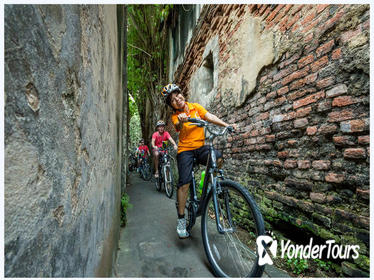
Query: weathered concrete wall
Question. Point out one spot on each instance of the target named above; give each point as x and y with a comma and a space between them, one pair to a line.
295, 78
183, 20
63, 122
122, 23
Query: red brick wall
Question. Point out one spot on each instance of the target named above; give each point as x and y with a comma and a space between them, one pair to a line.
303, 146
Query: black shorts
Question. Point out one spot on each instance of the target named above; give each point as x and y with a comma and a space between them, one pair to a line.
185, 162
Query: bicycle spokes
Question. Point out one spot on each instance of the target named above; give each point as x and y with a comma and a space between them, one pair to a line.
226, 210
231, 250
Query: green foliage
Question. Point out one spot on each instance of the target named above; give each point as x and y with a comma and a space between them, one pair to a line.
125, 205
297, 265
146, 59
125, 202
324, 265
134, 131
147, 53
165, 12
133, 108
252, 234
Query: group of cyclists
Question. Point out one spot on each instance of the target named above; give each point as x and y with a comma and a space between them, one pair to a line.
158, 138
190, 145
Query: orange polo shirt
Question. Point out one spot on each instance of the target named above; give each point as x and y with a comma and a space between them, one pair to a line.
191, 137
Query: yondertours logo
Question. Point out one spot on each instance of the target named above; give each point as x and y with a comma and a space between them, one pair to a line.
264, 241
309, 251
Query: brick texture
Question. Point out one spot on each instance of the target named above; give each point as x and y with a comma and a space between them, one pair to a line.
304, 130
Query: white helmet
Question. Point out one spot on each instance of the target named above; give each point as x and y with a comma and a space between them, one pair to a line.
160, 123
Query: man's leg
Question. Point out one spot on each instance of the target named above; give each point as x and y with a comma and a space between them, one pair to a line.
155, 159
182, 198
185, 162
181, 221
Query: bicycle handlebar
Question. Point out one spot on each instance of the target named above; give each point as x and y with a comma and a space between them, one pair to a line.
202, 123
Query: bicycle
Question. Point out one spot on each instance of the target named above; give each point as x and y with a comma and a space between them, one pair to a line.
145, 171
165, 178
132, 162
231, 220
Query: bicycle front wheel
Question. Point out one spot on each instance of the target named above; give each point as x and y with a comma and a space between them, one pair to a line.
169, 182
232, 253
147, 174
158, 184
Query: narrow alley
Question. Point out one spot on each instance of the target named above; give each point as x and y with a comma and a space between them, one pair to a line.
89, 89
149, 245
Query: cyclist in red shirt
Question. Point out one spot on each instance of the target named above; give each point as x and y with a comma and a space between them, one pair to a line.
142, 151
157, 138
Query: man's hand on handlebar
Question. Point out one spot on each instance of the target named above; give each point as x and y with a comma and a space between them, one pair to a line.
199, 122
183, 117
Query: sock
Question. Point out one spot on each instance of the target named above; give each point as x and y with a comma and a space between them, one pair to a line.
180, 216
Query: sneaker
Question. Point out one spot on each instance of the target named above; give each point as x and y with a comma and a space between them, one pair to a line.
181, 228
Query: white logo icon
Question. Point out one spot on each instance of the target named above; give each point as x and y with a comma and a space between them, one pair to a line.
262, 241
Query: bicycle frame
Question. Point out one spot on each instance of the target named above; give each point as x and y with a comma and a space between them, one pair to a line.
209, 176
165, 178
164, 159
218, 189
143, 162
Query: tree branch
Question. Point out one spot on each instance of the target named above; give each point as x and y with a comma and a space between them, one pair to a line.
140, 32
138, 49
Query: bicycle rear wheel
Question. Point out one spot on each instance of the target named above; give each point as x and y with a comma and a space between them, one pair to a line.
169, 181
233, 254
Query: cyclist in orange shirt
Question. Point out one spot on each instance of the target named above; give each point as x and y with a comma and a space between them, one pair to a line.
190, 146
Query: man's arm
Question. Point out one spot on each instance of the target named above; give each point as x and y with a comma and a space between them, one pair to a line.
178, 126
214, 119
153, 143
173, 142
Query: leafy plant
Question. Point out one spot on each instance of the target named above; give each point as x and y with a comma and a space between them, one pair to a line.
324, 265
297, 265
252, 234
125, 205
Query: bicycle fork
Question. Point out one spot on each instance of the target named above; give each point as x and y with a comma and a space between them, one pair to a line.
221, 229
167, 178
